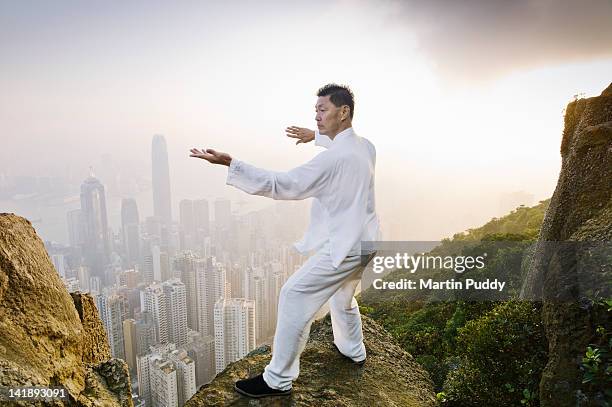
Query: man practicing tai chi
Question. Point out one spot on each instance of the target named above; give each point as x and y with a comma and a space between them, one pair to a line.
341, 182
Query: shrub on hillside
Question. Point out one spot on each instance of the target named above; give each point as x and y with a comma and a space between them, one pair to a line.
500, 357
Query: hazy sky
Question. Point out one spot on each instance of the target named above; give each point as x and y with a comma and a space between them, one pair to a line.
463, 99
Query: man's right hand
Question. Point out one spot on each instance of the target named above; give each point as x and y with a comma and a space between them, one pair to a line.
302, 134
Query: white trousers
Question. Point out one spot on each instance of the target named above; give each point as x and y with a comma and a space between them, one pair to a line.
301, 297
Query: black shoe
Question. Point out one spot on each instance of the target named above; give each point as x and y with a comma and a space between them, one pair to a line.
360, 363
257, 387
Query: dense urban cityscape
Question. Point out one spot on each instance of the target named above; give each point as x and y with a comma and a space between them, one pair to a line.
179, 300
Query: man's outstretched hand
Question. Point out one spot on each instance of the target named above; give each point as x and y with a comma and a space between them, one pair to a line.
302, 134
212, 156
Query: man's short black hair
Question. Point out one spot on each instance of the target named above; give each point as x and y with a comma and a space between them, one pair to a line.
339, 95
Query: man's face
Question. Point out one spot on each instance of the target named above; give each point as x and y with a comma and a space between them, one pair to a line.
327, 116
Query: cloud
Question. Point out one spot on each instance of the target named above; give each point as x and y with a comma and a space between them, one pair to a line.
474, 40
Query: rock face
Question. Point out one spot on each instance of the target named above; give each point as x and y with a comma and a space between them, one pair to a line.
578, 219
47, 336
390, 376
93, 341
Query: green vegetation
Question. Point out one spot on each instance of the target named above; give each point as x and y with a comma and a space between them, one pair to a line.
597, 361
476, 352
499, 357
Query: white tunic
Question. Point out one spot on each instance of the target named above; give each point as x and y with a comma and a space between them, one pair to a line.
341, 182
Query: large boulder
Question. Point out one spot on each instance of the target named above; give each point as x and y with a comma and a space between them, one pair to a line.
47, 336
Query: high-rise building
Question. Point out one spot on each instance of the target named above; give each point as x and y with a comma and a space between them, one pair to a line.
148, 273
144, 333
185, 375
275, 283
160, 262
210, 286
129, 278
166, 376
130, 343
167, 304
157, 381
175, 293
187, 225
201, 348
113, 309
201, 217
96, 241
184, 262
130, 227
161, 180
234, 330
235, 280
153, 300
259, 287
76, 228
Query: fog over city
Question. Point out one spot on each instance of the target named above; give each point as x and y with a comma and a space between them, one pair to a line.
457, 124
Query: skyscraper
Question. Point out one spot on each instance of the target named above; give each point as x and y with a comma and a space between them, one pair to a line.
201, 348
161, 180
75, 228
234, 330
113, 309
175, 293
210, 286
144, 333
187, 222
166, 376
130, 342
185, 263
185, 375
153, 300
259, 295
201, 217
96, 239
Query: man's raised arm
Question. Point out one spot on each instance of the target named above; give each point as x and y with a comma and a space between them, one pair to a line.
305, 181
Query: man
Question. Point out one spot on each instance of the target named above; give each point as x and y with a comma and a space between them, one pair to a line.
341, 182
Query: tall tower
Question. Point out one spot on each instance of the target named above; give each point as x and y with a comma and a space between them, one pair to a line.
96, 242
161, 180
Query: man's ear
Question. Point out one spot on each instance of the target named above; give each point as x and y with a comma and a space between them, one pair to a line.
346, 111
